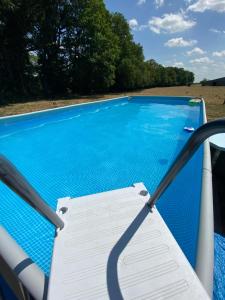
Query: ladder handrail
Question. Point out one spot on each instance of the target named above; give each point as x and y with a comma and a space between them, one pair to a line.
16, 182
197, 138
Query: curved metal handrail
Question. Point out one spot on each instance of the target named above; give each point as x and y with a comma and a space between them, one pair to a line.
197, 138
16, 182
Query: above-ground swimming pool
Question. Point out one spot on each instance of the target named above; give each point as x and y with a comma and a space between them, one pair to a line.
97, 147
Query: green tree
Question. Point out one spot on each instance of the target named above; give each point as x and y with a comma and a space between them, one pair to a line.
204, 81
16, 74
95, 48
53, 47
130, 62
46, 40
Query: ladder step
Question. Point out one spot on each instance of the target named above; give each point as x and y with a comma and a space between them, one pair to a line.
113, 247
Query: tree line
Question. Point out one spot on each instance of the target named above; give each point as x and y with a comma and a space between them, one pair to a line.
60, 47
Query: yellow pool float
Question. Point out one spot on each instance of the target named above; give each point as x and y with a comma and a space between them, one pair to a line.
194, 101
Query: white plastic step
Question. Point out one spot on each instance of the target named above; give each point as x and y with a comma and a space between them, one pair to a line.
114, 247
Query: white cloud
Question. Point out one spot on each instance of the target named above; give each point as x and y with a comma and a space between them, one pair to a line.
196, 50
217, 30
178, 64
214, 30
209, 71
133, 23
142, 27
203, 5
202, 60
170, 23
219, 53
180, 42
140, 2
159, 3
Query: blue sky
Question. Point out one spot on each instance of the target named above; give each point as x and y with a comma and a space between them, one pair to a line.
183, 33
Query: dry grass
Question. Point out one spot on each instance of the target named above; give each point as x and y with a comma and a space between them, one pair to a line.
214, 98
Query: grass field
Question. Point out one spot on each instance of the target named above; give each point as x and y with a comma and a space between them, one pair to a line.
214, 98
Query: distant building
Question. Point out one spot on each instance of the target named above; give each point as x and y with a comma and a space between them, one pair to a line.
215, 82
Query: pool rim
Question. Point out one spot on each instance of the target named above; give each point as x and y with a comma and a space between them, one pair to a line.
205, 250
58, 108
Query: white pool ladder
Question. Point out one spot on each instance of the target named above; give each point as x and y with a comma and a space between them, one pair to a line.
114, 247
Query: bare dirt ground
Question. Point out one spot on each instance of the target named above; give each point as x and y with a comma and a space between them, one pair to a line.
214, 98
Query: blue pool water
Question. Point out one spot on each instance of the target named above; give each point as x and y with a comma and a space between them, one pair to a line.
219, 267
99, 147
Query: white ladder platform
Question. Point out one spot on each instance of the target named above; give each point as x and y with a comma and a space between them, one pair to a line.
113, 247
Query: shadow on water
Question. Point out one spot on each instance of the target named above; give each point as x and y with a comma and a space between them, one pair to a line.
112, 272
163, 161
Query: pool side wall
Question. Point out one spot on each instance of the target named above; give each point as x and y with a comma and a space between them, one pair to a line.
205, 254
